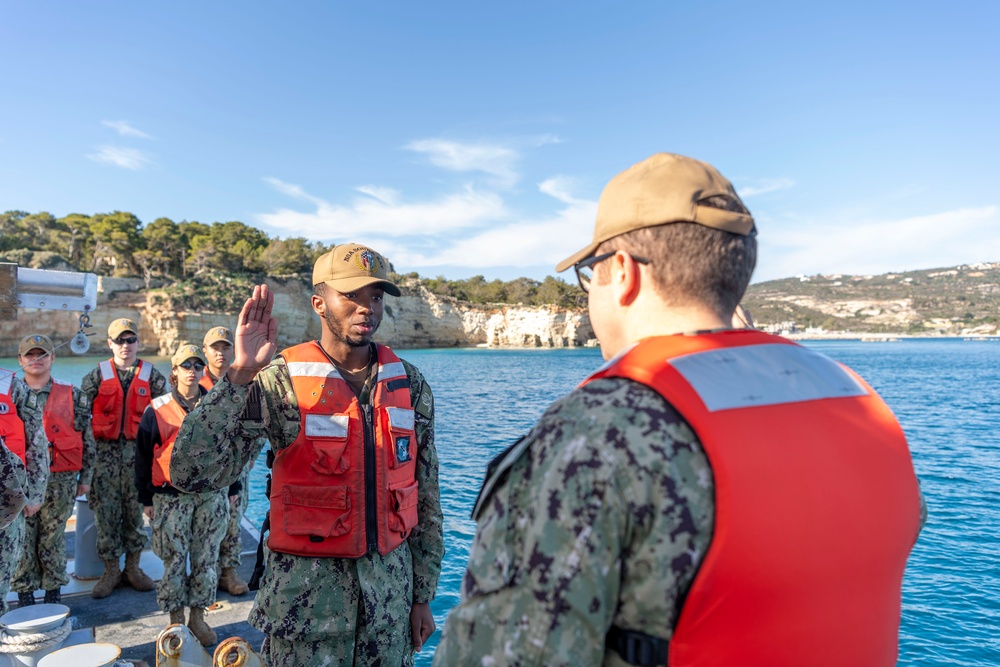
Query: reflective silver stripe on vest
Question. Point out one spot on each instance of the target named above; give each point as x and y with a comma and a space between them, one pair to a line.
160, 401
312, 369
65, 384
6, 379
390, 371
754, 375
326, 426
401, 418
145, 370
107, 372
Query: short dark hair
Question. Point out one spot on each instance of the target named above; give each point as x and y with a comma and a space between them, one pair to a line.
691, 263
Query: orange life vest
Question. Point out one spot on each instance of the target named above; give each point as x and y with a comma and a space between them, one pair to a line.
206, 381
347, 484
113, 411
11, 426
65, 442
169, 416
816, 502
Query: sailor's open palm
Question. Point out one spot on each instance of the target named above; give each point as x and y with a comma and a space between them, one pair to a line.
256, 332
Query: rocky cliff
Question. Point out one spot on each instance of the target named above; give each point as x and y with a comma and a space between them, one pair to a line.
417, 319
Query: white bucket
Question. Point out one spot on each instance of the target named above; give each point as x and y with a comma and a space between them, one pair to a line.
82, 655
32, 620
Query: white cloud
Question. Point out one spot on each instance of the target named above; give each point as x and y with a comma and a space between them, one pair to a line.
558, 187
379, 218
125, 129
118, 156
878, 246
384, 195
765, 186
493, 159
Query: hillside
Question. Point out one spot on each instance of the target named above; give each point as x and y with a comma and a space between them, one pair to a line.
962, 300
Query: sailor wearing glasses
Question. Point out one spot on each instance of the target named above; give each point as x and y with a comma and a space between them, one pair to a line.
119, 390
184, 524
710, 495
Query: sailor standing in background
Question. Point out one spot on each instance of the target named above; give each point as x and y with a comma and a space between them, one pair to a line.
26, 457
119, 390
66, 421
218, 350
185, 525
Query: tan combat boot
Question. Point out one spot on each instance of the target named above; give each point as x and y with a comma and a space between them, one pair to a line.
135, 577
109, 580
231, 583
177, 616
196, 623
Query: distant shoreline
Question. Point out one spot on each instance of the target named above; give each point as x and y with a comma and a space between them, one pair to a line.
884, 337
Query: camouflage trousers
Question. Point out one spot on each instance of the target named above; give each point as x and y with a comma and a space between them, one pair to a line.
115, 501
188, 525
331, 653
11, 541
43, 562
336, 611
232, 545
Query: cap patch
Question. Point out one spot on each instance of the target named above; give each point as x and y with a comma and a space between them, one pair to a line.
366, 260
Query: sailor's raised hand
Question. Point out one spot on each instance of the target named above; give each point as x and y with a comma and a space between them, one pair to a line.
256, 336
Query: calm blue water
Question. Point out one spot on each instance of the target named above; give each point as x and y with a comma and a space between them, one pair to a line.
946, 394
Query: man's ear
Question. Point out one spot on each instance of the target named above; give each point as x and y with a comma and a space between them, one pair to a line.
625, 278
318, 305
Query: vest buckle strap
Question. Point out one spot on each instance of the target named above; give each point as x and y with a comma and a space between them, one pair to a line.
637, 648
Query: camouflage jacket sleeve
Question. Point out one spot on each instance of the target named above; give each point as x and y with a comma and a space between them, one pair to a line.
12, 497
90, 384
36, 444
599, 517
157, 384
427, 539
81, 421
220, 436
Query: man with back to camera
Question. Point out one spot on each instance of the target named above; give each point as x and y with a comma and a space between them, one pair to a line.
709, 496
119, 390
218, 350
26, 468
66, 421
356, 541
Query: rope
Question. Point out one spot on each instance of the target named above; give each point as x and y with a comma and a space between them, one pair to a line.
36, 642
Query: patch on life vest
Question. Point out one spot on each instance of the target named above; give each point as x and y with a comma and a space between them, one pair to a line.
4, 408
142, 391
403, 449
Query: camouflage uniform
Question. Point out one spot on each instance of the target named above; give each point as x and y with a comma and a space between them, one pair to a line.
35, 476
11, 486
599, 516
188, 524
184, 525
117, 512
319, 611
43, 564
232, 543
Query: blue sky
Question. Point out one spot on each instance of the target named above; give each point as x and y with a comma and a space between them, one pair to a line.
470, 138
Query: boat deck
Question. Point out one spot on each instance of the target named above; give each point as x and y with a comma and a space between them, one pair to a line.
132, 620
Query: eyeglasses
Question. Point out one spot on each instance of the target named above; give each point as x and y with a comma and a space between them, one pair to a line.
126, 340
585, 268
188, 365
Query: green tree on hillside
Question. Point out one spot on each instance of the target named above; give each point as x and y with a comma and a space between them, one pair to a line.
116, 238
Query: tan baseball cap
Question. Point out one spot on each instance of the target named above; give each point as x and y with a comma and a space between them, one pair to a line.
659, 190
184, 352
215, 334
352, 266
118, 327
34, 342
